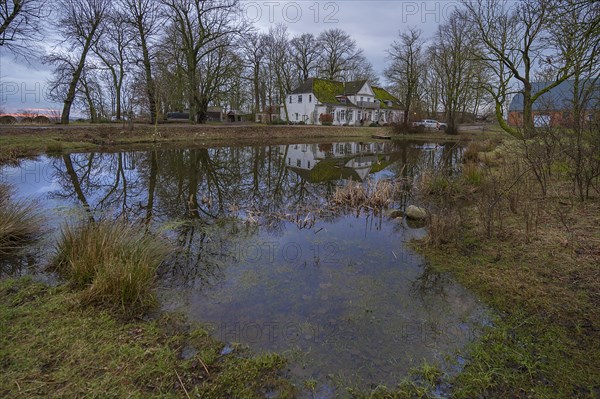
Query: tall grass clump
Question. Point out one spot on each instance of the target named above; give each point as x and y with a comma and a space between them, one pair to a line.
112, 262
371, 194
19, 223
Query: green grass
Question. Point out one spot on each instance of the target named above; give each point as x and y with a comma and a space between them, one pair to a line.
111, 262
19, 223
50, 346
545, 340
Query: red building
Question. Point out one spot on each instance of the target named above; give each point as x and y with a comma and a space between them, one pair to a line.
555, 108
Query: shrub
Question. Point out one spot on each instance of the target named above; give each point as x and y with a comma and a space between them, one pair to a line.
7, 120
326, 119
41, 119
443, 227
19, 223
302, 123
113, 263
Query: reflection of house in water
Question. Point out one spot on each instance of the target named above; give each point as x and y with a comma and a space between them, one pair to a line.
323, 162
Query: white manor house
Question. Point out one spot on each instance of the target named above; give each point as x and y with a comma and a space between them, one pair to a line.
350, 103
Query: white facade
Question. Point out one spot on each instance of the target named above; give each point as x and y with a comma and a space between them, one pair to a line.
301, 108
360, 157
362, 108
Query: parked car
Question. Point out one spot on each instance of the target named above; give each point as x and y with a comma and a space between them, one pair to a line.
430, 124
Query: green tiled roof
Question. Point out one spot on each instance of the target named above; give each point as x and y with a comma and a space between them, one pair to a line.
326, 91
383, 95
352, 88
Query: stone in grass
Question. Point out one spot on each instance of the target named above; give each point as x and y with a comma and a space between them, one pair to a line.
416, 213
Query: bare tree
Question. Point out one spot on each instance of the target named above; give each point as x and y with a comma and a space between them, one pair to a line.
574, 40
112, 51
80, 26
338, 54
362, 70
145, 18
203, 27
279, 60
20, 24
305, 55
453, 59
406, 68
252, 53
513, 37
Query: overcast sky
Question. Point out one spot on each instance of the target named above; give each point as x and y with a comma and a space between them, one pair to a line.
373, 24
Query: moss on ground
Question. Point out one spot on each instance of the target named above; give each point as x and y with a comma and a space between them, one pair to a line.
50, 346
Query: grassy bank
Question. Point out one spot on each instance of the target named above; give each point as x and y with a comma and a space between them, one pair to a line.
27, 140
50, 346
20, 141
535, 260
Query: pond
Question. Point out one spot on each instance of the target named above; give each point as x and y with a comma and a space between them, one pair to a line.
265, 260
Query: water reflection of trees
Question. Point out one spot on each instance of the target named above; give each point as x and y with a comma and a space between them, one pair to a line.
202, 187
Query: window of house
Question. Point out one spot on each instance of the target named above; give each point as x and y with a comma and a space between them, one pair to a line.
300, 99
308, 164
298, 163
290, 99
362, 99
310, 98
342, 115
296, 115
359, 115
289, 161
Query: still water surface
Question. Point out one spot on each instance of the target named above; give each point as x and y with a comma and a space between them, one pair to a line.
264, 259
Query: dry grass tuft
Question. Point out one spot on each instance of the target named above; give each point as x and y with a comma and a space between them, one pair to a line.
113, 262
19, 223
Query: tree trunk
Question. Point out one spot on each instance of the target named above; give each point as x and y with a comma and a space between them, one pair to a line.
66, 113
528, 126
150, 88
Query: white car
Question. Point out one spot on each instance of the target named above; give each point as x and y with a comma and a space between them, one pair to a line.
431, 124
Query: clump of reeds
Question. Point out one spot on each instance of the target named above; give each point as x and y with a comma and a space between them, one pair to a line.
19, 223
113, 262
372, 194
473, 174
54, 147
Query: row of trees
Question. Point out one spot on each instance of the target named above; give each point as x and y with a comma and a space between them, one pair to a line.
165, 55
490, 50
